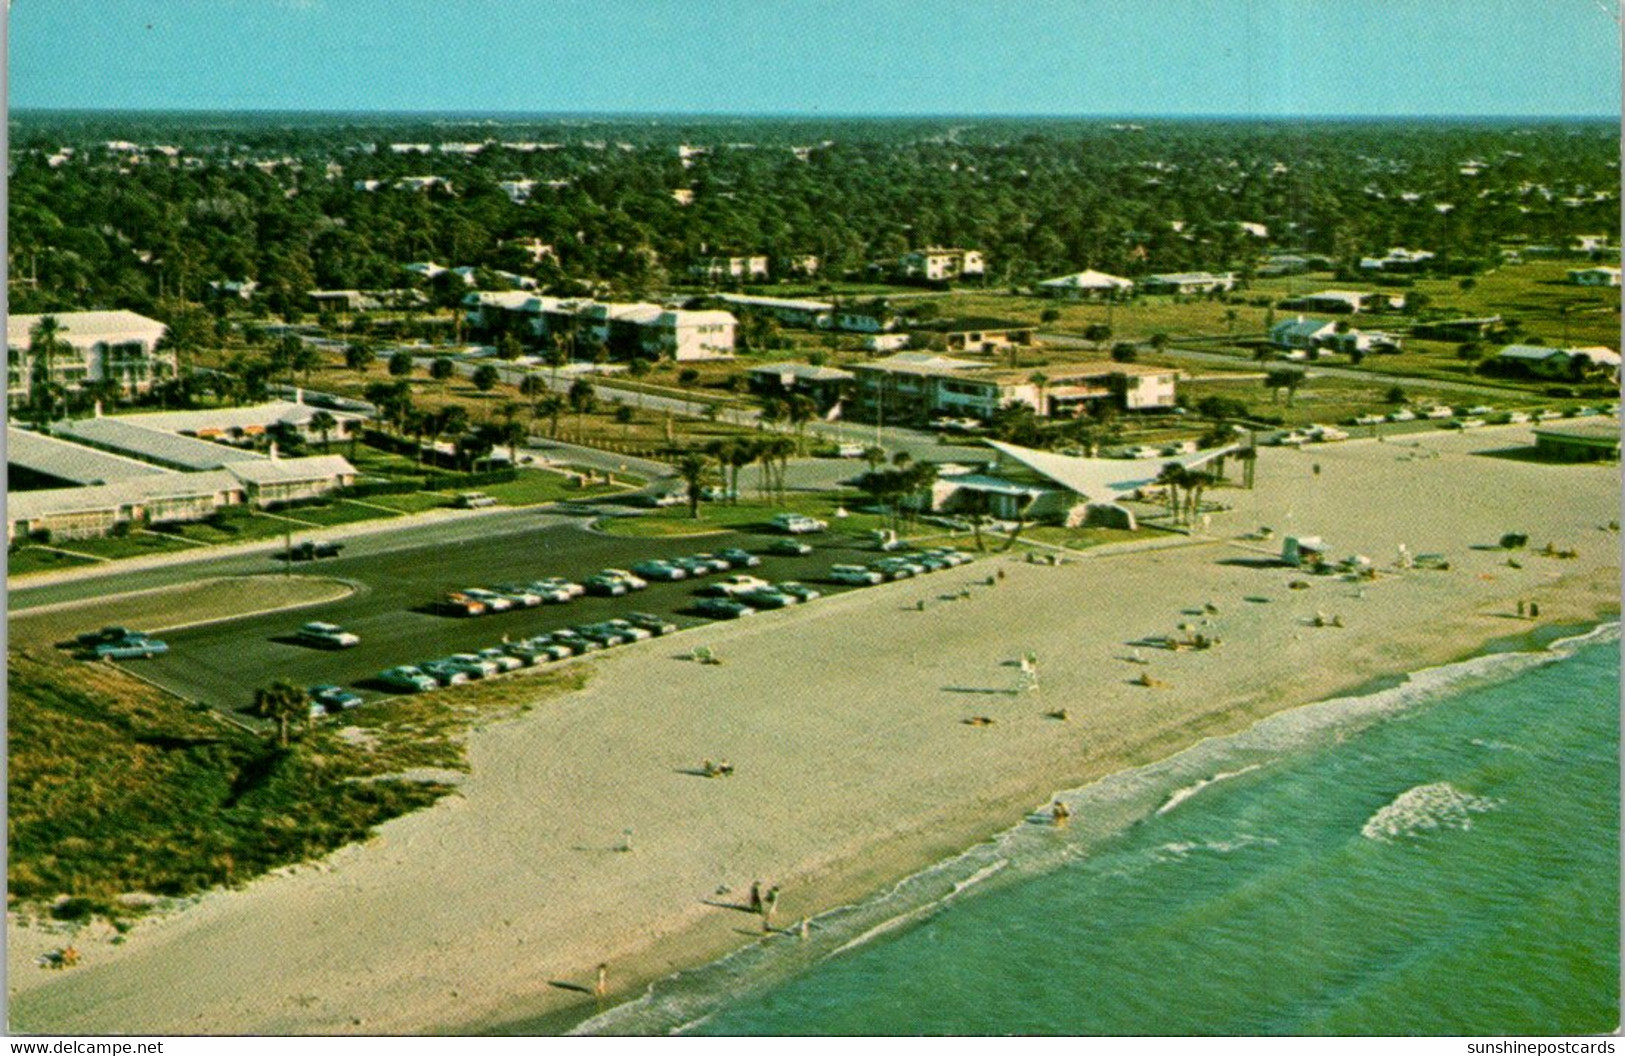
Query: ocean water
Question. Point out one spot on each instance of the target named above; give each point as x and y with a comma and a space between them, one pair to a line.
1435, 857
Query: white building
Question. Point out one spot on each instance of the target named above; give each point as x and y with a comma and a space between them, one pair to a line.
624, 328
116, 346
1086, 285
1188, 282
722, 269
1397, 258
811, 315
937, 264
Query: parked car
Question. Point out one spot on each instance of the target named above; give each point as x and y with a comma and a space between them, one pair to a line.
712, 493
732, 585
505, 661
657, 501
660, 571
954, 557
477, 666
333, 698
554, 584
446, 673
108, 634
738, 558
522, 596
1438, 413
767, 598
694, 566
789, 548
722, 608
1325, 434
629, 630
408, 679
798, 524
632, 582
1402, 415
327, 636
1369, 419
575, 642
607, 586
799, 591
1548, 414
474, 500
608, 633
539, 650
492, 601
849, 450
459, 604
656, 625
132, 648
854, 575
897, 568
714, 562
1517, 418
309, 551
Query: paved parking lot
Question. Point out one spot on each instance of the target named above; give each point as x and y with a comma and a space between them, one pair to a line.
223, 663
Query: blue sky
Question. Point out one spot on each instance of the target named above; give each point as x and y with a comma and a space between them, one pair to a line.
1198, 57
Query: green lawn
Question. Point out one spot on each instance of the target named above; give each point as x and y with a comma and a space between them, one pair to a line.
36, 559
341, 512
537, 486
134, 545
412, 501
239, 526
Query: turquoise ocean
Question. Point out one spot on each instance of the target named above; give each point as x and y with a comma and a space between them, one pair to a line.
1437, 856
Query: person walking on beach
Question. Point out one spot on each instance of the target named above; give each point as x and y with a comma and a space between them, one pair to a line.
600, 987
769, 903
1534, 610
1521, 608
756, 897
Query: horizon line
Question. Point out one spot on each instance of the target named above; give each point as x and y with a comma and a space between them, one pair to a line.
803, 114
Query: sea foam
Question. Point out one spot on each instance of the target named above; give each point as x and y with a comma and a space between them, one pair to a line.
1426, 808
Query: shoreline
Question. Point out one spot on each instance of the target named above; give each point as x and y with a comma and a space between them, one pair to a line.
872, 884
856, 767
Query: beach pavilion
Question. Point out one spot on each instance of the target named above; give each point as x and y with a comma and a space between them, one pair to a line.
1063, 489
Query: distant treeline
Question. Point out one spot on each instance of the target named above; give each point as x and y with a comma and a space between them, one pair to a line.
275, 197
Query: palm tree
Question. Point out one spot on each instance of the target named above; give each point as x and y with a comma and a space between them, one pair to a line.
798, 411
694, 468
874, 456
324, 424
43, 344
533, 388
512, 434
1023, 503
1040, 380
583, 398
1174, 477
282, 702
552, 405
973, 504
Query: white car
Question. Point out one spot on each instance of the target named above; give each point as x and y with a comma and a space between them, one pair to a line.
850, 451
557, 584
1402, 416
503, 660
739, 584
472, 662
1547, 415
1369, 419
1438, 413
1517, 418
327, 636
628, 629
1325, 434
632, 582
798, 524
521, 596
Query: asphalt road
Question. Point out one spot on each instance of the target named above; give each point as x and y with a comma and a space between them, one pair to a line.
223, 663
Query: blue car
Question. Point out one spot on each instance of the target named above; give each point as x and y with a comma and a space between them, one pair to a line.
333, 698
129, 649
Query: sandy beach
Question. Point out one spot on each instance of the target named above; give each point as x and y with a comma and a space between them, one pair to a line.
854, 764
